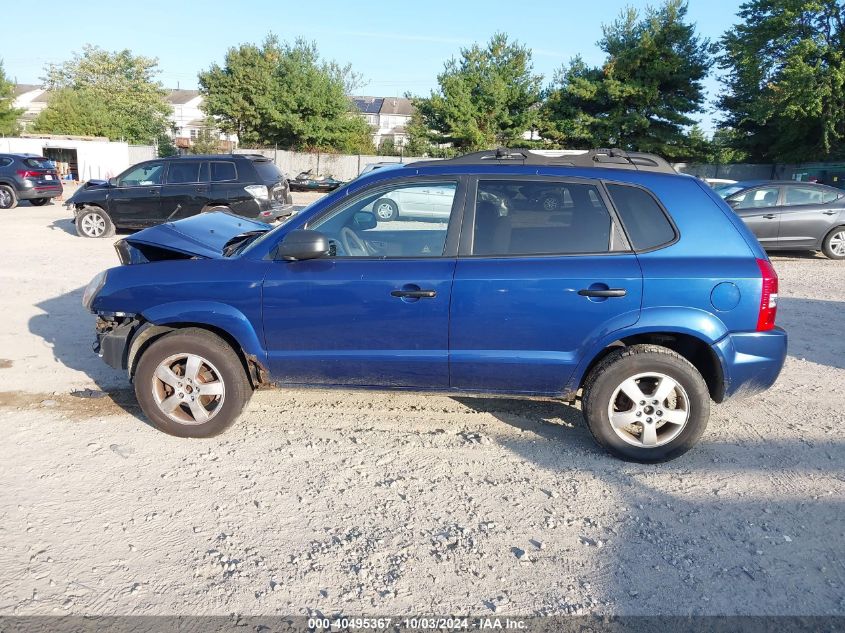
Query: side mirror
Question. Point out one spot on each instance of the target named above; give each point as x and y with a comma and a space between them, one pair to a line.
364, 220
113, 182
302, 244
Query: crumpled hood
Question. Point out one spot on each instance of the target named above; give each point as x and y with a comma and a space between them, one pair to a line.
202, 235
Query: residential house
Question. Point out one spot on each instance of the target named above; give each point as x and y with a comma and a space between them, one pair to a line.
388, 116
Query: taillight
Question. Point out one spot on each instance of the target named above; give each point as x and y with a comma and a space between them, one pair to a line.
29, 174
769, 298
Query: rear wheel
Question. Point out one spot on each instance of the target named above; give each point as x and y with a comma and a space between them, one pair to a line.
834, 243
94, 222
39, 202
8, 197
646, 403
191, 383
385, 210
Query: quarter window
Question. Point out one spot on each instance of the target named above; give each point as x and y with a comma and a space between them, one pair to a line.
223, 171
407, 220
646, 224
519, 217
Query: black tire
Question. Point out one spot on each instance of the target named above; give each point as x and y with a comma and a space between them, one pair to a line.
39, 202
8, 197
94, 222
625, 363
218, 358
832, 246
381, 207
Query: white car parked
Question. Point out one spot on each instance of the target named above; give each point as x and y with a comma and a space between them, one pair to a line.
419, 202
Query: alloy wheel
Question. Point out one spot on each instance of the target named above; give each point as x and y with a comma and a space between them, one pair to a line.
93, 225
5, 199
384, 211
188, 389
648, 410
837, 243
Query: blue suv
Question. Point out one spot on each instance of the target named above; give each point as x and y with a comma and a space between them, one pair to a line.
600, 273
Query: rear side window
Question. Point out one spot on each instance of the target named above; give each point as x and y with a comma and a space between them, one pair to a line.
223, 171
267, 171
520, 217
38, 163
646, 224
808, 195
184, 172
5, 162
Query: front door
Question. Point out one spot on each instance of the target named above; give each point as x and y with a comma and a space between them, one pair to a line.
758, 209
375, 312
136, 199
185, 191
536, 286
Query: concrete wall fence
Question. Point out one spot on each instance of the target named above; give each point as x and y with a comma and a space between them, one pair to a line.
347, 167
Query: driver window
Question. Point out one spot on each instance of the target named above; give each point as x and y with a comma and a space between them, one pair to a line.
407, 220
142, 175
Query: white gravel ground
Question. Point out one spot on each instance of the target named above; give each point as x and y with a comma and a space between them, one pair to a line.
371, 503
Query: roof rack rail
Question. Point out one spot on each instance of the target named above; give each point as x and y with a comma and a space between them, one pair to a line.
614, 158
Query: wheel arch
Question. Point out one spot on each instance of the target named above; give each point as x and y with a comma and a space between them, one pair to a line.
228, 323
694, 347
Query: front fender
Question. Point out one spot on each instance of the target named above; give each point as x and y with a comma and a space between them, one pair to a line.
669, 319
211, 313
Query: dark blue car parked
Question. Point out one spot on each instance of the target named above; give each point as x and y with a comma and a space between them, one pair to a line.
600, 273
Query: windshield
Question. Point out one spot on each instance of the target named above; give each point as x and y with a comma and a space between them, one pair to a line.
727, 190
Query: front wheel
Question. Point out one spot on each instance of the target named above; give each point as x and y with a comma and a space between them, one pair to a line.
191, 383
834, 243
8, 197
646, 403
94, 222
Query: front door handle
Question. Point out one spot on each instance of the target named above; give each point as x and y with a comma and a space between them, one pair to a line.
599, 292
770, 216
414, 294
829, 212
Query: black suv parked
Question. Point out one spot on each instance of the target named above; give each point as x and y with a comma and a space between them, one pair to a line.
27, 177
157, 191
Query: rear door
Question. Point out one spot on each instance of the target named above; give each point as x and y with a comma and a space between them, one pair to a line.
535, 286
185, 191
807, 213
759, 209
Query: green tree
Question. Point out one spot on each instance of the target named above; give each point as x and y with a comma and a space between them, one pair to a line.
118, 86
487, 97
8, 113
76, 111
287, 95
643, 96
207, 140
784, 91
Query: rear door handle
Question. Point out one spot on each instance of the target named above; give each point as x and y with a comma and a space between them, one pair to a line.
829, 212
597, 292
414, 294
770, 216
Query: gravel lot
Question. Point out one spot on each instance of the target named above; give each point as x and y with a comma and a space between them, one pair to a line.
370, 503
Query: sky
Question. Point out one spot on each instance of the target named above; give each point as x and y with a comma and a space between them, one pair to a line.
398, 46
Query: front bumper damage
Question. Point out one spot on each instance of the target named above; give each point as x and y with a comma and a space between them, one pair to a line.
113, 335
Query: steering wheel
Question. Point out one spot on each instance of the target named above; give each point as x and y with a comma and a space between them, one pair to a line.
352, 244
